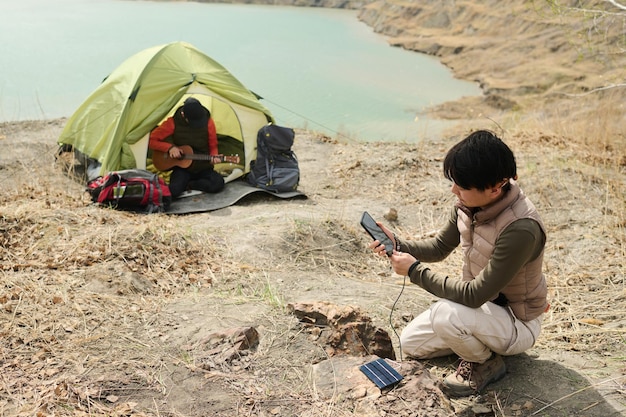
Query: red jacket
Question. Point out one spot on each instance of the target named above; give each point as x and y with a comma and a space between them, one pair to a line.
166, 129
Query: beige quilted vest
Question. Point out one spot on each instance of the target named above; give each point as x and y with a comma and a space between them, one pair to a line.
527, 291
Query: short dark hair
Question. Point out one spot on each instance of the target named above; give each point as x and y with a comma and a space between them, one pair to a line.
480, 161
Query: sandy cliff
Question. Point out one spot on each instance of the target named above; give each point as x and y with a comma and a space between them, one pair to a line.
522, 52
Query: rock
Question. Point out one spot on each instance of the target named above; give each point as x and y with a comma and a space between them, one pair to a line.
229, 348
240, 338
340, 379
391, 215
343, 329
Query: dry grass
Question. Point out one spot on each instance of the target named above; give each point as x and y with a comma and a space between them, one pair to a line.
85, 288
577, 168
78, 282
87, 293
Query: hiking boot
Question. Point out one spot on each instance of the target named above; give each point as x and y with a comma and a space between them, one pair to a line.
471, 377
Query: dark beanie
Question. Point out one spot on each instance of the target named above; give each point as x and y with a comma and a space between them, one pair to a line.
196, 114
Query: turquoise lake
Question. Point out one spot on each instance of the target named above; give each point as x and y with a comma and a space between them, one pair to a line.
320, 69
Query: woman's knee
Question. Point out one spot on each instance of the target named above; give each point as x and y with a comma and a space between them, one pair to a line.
418, 340
448, 317
441, 311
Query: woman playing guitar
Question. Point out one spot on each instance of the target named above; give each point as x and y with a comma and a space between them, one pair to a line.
191, 128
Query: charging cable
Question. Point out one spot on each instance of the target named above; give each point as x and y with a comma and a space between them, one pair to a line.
393, 307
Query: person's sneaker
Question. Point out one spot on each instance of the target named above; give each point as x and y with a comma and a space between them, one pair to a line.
471, 377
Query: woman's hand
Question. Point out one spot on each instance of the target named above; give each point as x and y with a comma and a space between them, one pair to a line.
175, 152
401, 262
379, 248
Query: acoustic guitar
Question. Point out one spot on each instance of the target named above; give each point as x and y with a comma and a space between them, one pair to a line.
163, 162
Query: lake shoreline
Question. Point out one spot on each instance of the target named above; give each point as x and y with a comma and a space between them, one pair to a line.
530, 62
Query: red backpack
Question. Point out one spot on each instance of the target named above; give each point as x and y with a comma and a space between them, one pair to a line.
133, 190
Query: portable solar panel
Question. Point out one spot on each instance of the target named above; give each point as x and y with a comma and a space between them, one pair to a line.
381, 373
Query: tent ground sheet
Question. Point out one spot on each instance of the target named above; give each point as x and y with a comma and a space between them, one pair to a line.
197, 202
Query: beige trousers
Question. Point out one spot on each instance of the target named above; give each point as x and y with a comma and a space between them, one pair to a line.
471, 333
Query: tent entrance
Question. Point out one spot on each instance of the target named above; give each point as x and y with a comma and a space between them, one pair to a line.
229, 133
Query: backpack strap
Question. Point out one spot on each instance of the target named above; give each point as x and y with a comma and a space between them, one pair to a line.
155, 187
269, 167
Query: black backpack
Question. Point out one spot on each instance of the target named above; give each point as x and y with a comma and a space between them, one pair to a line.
276, 166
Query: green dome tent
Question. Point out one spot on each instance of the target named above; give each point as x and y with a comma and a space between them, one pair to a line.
113, 123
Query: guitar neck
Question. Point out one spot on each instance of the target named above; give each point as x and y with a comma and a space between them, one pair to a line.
234, 159
201, 157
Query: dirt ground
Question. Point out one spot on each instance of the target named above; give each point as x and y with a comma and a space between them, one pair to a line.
109, 313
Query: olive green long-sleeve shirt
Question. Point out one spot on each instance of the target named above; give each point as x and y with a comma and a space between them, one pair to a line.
522, 241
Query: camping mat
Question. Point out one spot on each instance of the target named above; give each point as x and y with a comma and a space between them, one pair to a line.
232, 193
